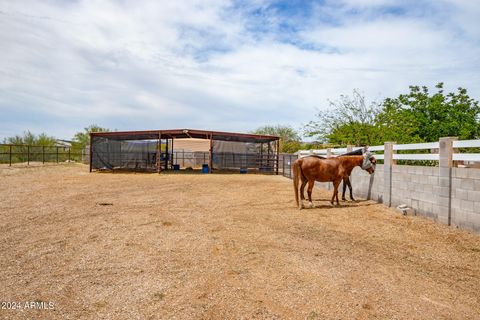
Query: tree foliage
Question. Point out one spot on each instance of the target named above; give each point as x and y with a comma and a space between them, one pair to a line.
289, 137
423, 117
349, 120
417, 116
28, 138
83, 138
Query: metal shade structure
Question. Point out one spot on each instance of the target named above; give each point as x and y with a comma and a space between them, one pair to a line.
152, 150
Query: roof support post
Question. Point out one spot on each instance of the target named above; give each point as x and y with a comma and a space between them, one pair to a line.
90, 151
173, 156
261, 156
211, 154
166, 155
159, 152
278, 155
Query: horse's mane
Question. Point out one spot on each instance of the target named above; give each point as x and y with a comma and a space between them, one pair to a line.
315, 156
357, 152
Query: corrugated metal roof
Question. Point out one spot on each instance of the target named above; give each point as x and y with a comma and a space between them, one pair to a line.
185, 133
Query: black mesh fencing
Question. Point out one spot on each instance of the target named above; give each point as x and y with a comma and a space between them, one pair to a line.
109, 154
225, 161
151, 155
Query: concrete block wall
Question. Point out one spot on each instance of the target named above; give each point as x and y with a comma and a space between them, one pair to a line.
416, 187
422, 189
465, 205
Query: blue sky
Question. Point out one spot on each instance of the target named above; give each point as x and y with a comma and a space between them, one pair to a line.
221, 65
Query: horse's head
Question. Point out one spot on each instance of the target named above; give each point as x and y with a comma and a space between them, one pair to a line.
369, 162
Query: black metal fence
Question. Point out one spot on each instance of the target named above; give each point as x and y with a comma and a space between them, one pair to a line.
27, 154
12, 154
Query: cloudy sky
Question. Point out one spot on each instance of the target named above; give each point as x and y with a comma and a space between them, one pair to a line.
221, 65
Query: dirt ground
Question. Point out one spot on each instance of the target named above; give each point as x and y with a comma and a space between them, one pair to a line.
176, 246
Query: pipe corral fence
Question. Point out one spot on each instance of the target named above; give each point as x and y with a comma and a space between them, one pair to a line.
27, 154
439, 179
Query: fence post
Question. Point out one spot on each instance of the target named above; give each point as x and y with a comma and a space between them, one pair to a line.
43, 154
69, 159
388, 162
57, 154
10, 156
444, 189
28, 155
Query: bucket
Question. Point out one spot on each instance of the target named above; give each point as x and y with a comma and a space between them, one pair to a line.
176, 167
205, 168
243, 170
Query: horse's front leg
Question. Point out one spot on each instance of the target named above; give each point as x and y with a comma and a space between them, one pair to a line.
311, 183
335, 191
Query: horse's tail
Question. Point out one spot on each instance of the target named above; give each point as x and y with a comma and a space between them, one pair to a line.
297, 171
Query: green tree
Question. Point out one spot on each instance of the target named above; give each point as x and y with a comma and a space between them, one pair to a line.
289, 138
423, 117
28, 138
82, 139
417, 116
349, 120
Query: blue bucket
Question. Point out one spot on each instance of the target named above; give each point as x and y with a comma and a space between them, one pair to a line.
205, 168
176, 167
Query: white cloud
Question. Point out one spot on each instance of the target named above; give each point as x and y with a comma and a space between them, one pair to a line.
202, 64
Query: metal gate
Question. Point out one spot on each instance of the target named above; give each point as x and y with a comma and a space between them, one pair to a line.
285, 164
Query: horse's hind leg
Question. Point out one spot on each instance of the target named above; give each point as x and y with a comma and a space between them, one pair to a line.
344, 185
302, 191
349, 183
311, 183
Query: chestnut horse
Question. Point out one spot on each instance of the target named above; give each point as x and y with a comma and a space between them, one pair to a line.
346, 178
314, 168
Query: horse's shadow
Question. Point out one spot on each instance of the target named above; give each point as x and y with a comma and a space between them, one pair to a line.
343, 204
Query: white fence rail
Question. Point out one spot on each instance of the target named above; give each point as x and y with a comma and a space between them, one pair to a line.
432, 147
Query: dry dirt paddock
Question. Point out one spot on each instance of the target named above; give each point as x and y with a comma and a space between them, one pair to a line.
148, 246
